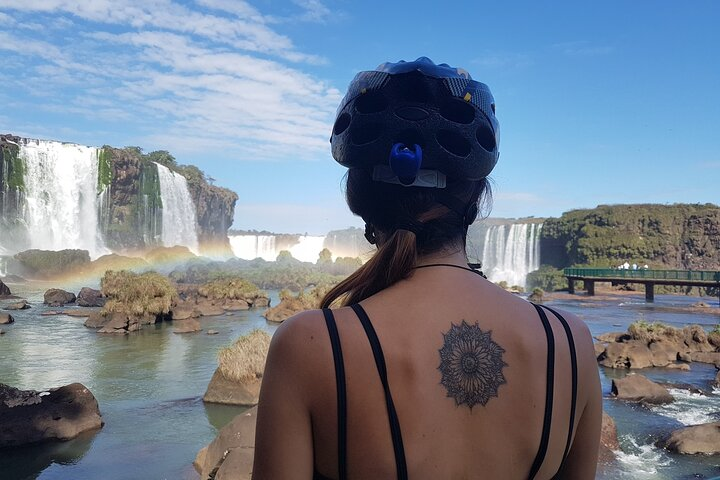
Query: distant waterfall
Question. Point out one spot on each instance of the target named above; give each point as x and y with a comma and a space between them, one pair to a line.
179, 220
306, 248
3, 266
510, 252
61, 196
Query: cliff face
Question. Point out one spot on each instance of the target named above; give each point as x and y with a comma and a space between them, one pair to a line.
11, 190
215, 208
681, 236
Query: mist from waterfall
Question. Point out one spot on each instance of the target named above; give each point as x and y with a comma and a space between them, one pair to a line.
510, 252
248, 247
61, 196
179, 219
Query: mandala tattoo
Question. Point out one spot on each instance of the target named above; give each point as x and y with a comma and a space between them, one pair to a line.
471, 365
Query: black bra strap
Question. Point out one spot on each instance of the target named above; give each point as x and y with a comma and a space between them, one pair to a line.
341, 394
545, 438
573, 367
400, 462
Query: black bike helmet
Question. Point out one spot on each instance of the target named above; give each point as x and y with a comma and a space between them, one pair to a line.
414, 123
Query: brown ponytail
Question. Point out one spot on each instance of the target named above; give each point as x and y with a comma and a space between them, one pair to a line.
392, 262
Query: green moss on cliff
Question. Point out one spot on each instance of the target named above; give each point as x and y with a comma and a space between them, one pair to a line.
12, 168
104, 169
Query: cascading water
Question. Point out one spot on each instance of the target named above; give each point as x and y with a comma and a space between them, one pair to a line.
306, 249
510, 252
250, 247
61, 196
3, 266
179, 220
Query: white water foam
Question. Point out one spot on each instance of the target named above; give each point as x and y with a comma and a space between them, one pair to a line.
250, 247
179, 219
642, 461
690, 408
308, 248
61, 196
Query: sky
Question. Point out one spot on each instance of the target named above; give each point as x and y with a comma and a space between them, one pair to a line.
598, 102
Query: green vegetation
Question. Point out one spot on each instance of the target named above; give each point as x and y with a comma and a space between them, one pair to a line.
230, 288
649, 332
137, 294
47, 264
537, 295
291, 304
12, 168
104, 169
547, 278
244, 360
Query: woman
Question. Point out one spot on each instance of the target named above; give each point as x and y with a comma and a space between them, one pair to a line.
427, 371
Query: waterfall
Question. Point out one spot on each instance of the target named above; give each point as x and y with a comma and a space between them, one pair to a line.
250, 247
306, 248
510, 252
3, 265
61, 196
179, 220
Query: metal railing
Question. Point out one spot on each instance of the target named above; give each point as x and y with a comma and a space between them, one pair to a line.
645, 274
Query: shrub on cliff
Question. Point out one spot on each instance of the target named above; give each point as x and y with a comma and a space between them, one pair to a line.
46, 263
547, 278
650, 332
244, 360
137, 294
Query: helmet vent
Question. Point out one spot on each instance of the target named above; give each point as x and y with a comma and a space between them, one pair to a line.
454, 143
458, 111
486, 138
366, 133
371, 102
342, 123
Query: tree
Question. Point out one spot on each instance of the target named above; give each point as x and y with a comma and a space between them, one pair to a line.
163, 157
325, 257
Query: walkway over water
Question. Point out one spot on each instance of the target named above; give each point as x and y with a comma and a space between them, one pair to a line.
650, 278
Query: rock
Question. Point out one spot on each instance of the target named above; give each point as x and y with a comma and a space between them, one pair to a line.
679, 366
6, 318
207, 310
20, 305
599, 348
117, 323
57, 298
608, 439
714, 339
186, 326
50, 313
230, 455
613, 337
631, 354
4, 289
236, 305
212, 332
183, 313
199, 461
89, 297
637, 388
229, 392
77, 313
2, 332
703, 439
57, 414
684, 357
95, 320
696, 339
663, 353
261, 302
706, 357
716, 382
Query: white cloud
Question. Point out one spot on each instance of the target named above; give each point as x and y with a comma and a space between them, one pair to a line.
186, 87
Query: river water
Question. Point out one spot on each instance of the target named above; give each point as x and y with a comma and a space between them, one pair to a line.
149, 386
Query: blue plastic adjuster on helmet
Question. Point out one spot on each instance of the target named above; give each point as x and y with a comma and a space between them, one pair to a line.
405, 162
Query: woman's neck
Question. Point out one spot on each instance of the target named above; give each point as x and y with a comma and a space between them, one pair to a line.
452, 258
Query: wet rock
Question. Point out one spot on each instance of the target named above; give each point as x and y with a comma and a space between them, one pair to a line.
608, 439
61, 413
236, 305
96, 320
208, 310
230, 392
637, 388
185, 312
2, 332
704, 439
679, 366
189, 325
77, 313
89, 297
19, 305
4, 289
631, 354
716, 382
50, 313
212, 332
57, 298
6, 318
230, 455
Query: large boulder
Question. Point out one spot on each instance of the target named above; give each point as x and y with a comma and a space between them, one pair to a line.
6, 318
60, 413
703, 439
56, 297
4, 290
608, 439
706, 357
122, 323
230, 392
662, 353
19, 305
96, 320
631, 354
637, 388
189, 325
230, 455
89, 297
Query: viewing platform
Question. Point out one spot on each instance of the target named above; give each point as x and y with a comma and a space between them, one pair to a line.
648, 277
